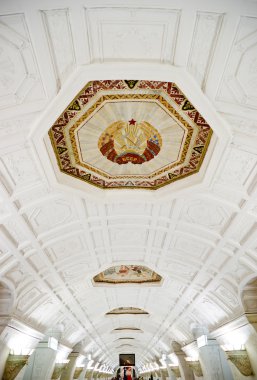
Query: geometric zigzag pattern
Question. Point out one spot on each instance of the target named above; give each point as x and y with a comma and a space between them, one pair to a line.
181, 107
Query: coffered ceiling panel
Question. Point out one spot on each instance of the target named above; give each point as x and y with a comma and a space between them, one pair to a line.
238, 85
58, 30
122, 34
20, 81
206, 34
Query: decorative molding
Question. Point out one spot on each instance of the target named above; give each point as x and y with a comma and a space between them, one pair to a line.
241, 360
206, 33
229, 326
20, 80
132, 33
16, 325
206, 213
227, 294
21, 169
242, 125
238, 166
238, 84
51, 214
196, 367
13, 366
249, 298
60, 42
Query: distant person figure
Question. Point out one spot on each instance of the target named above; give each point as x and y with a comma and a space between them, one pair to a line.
129, 373
124, 373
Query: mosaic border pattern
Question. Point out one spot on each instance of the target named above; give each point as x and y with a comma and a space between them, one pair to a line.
168, 175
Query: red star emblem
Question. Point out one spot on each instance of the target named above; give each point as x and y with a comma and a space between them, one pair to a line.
132, 122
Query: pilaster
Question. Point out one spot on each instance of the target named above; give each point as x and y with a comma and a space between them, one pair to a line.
213, 360
41, 362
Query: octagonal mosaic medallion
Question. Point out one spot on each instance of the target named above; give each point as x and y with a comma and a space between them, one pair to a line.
130, 134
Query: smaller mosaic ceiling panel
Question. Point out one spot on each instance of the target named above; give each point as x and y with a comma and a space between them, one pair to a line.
130, 134
126, 329
124, 338
127, 310
127, 274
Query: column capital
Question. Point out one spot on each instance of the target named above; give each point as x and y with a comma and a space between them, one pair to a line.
18, 326
54, 333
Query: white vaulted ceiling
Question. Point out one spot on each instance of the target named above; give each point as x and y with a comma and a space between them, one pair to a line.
55, 238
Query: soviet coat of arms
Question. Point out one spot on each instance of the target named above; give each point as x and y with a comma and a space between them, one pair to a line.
133, 142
